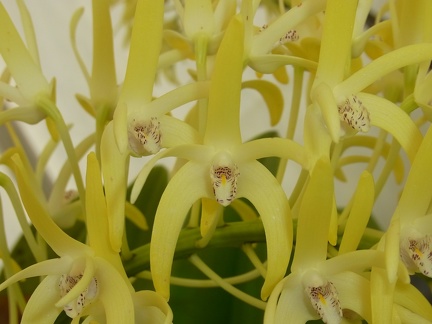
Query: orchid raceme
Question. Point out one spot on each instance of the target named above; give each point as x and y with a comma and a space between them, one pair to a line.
225, 169
198, 205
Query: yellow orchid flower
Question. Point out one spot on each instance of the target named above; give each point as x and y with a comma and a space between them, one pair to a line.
141, 125
102, 82
223, 169
33, 94
85, 278
318, 287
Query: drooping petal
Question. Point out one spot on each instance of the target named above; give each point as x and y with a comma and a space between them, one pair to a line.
354, 293
314, 218
408, 296
59, 241
399, 125
150, 307
40, 308
114, 293
293, 307
54, 267
259, 186
187, 185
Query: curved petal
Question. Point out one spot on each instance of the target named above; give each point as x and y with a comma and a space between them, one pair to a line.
59, 241
187, 185
193, 152
272, 96
261, 188
114, 293
177, 132
29, 115
383, 65
269, 63
293, 305
151, 308
411, 298
178, 97
40, 308
314, 218
48, 267
388, 116
354, 293
280, 147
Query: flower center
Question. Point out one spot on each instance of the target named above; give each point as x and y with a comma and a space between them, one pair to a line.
416, 253
76, 306
324, 298
224, 174
352, 112
145, 136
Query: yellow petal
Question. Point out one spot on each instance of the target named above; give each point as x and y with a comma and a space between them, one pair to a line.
187, 185
25, 71
271, 95
59, 241
381, 296
115, 166
114, 293
417, 193
103, 83
259, 186
223, 117
40, 308
146, 42
388, 116
314, 218
361, 209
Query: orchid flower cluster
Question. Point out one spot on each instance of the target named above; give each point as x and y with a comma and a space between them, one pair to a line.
239, 229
